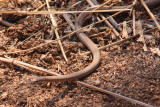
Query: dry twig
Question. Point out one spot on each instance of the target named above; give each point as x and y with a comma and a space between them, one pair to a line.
56, 31
134, 20
60, 12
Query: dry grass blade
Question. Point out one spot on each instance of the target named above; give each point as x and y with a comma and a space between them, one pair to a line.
56, 32
134, 20
60, 12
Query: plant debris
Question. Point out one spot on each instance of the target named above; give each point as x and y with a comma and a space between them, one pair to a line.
128, 67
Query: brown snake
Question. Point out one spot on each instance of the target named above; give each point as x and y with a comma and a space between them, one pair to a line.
89, 44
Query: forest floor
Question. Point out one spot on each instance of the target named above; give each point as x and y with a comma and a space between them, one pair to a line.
130, 68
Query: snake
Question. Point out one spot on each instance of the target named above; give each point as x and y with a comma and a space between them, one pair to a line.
89, 44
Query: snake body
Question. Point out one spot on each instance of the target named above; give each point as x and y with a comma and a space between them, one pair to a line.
89, 44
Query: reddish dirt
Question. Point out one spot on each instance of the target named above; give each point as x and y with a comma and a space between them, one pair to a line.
125, 69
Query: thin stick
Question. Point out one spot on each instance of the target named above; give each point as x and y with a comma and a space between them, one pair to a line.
60, 12
151, 14
134, 24
56, 32
114, 94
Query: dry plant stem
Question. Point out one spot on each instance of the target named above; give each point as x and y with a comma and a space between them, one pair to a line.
39, 8
56, 32
6, 23
28, 50
60, 12
151, 14
134, 24
26, 65
35, 68
106, 21
114, 94
110, 45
